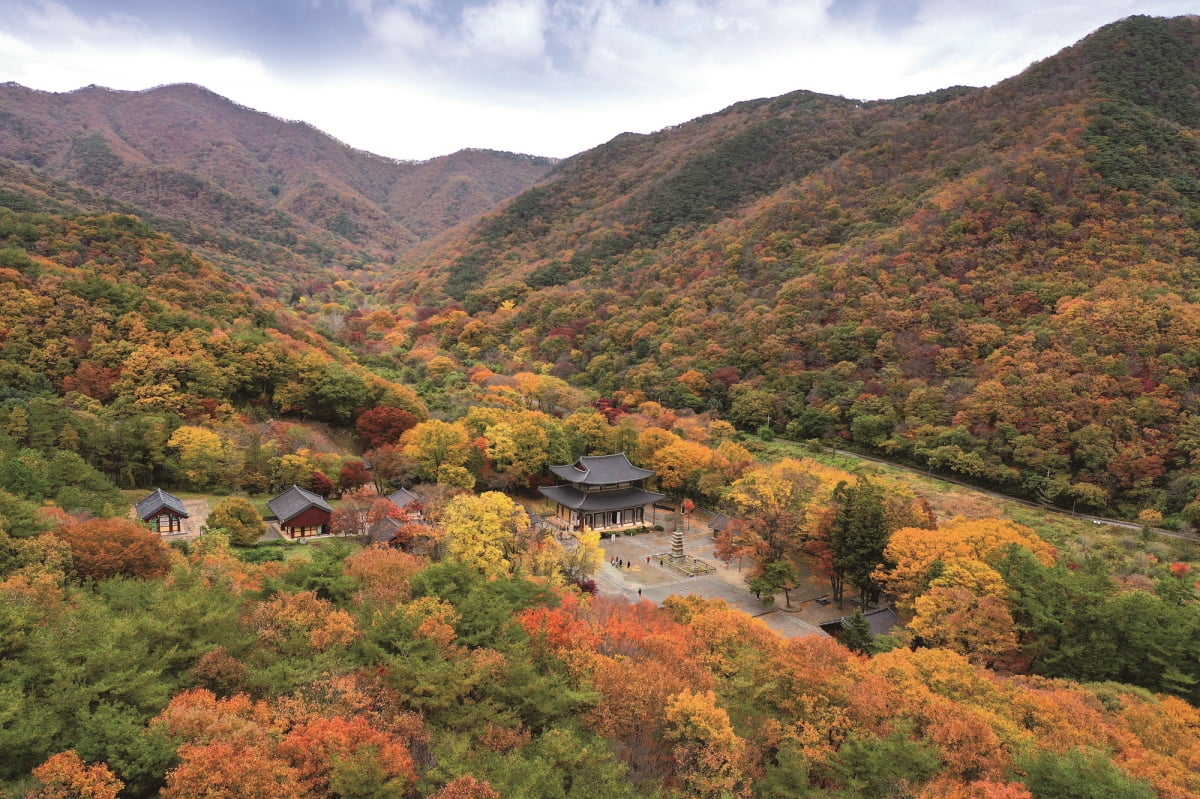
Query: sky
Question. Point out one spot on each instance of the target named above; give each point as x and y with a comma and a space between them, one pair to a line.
415, 79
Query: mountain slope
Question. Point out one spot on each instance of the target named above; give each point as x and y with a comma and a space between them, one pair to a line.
998, 282
247, 185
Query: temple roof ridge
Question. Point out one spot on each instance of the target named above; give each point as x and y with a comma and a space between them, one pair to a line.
601, 470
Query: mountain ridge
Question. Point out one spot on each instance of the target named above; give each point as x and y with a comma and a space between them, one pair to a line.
997, 282
198, 160
964, 280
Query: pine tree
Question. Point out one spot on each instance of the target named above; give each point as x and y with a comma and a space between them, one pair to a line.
858, 536
856, 633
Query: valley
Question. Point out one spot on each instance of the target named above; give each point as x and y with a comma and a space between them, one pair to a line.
903, 355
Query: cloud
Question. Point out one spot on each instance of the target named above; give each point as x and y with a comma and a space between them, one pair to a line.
509, 30
402, 31
55, 21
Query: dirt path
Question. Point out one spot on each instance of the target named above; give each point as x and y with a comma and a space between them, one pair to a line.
198, 511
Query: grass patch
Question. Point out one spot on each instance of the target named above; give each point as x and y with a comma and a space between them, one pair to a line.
1076, 538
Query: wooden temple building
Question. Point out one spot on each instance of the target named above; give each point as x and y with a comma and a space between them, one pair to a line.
301, 513
602, 492
163, 512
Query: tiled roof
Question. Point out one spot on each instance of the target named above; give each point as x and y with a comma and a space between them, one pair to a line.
598, 470
160, 500
618, 499
882, 621
385, 529
403, 498
294, 501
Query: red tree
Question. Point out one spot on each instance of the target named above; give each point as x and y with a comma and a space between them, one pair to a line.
320, 484
353, 475
390, 467
114, 547
383, 425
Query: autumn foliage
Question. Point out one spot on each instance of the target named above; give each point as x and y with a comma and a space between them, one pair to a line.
66, 776
439, 679
114, 547
994, 284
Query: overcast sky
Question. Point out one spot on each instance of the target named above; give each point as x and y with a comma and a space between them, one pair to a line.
415, 79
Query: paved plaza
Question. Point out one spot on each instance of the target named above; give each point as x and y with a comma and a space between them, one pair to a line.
656, 582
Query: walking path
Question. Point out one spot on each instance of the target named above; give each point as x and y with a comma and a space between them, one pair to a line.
198, 511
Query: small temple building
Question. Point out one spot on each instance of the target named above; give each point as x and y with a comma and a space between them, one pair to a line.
409, 504
389, 529
602, 492
162, 511
301, 513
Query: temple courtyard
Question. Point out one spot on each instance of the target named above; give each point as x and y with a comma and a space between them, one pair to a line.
645, 578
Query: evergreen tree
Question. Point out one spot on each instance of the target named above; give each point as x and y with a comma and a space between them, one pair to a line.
856, 633
858, 535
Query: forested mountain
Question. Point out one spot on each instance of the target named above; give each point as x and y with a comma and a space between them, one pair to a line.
113, 336
270, 199
998, 282
380, 675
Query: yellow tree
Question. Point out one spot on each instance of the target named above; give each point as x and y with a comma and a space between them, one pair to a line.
543, 391
709, 756
589, 431
545, 558
293, 469
585, 558
680, 465
518, 450
238, 517
528, 386
914, 552
437, 447
205, 458
486, 532
773, 502
979, 627
732, 459
650, 441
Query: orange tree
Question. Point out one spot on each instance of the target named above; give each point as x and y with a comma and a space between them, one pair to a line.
105, 548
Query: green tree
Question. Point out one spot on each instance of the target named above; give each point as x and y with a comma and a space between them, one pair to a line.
76, 485
1079, 774
858, 536
337, 394
237, 517
856, 633
752, 408
17, 426
26, 475
776, 576
876, 768
19, 517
